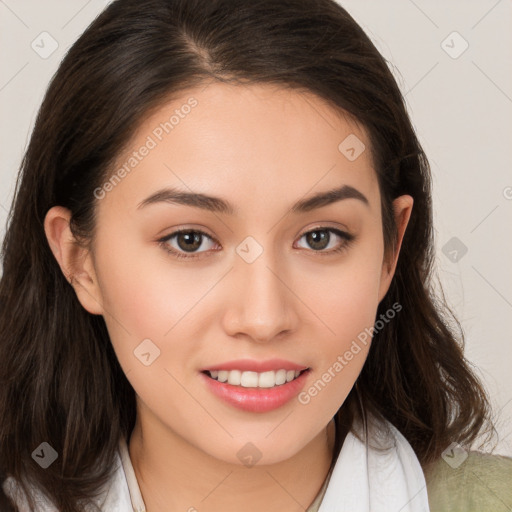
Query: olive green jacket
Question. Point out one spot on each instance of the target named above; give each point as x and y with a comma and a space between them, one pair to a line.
480, 483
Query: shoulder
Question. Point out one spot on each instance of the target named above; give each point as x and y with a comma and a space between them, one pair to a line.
471, 481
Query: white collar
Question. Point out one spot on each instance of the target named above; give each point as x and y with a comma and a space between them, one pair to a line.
131, 480
379, 475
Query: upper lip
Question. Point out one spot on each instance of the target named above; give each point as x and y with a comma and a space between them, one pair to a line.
252, 365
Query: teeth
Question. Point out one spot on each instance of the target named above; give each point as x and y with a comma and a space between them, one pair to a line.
234, 377
248, 379
267, 379
254, 379
280, 377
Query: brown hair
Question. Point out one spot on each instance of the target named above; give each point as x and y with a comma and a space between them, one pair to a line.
60, 380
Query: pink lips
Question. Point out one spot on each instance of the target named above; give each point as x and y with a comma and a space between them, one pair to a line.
256, 399
250, 365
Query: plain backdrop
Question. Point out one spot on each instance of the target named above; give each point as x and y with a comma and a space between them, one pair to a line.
453, 62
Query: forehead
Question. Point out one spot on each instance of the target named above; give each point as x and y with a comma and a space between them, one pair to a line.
252, 140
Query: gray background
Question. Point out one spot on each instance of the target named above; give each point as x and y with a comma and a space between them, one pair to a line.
460, 101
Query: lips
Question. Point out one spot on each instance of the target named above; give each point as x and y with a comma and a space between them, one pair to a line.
257, 366
256, 386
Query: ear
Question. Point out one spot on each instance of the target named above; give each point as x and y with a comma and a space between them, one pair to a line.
402, 207
74, 260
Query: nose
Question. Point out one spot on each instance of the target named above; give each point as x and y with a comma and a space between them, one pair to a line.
262, 303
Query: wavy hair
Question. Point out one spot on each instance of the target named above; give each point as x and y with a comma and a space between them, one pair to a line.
60, 380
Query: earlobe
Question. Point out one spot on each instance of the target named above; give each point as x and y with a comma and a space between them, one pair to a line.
402, 210
74, 260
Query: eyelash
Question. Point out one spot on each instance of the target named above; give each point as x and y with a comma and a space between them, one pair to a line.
349, 239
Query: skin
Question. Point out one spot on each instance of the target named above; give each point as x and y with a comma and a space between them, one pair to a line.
261, 148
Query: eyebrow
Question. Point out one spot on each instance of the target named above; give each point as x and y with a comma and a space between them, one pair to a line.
218, 205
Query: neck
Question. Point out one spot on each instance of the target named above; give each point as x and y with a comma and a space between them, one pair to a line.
176, 476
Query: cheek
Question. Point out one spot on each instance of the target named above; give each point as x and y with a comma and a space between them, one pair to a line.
347, 309
140, 290
137, 303
145, 296
345, 297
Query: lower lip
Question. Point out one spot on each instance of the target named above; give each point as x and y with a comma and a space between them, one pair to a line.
256, 399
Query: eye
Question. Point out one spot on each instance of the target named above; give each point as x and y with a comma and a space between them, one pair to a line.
321, 238
187, 241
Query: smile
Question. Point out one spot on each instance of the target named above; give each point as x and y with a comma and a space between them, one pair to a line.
253, 386
249, 379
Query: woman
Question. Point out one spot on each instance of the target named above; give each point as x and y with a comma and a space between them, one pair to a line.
216, 288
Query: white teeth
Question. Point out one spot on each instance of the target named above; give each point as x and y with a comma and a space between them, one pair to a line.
234, 377
248, 379
267, 379
280, 377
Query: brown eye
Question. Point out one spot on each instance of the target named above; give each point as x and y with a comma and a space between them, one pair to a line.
320, 239
186, 241
189, 240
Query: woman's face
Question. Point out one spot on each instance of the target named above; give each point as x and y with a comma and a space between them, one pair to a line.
267, 281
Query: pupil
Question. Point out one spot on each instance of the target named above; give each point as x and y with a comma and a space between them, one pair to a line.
317, 239
192, 240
